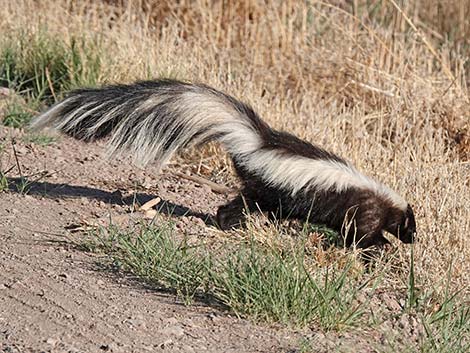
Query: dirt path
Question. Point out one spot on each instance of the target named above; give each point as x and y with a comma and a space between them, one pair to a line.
55, 298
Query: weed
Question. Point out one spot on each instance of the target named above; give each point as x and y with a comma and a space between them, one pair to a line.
448, 328
271, 286
445, 323
39, 139
305, 346
331, 236
3, 182
17, 115
412, 294
152, 254
23, 185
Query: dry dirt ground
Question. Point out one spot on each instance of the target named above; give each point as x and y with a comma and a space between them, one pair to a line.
56, 298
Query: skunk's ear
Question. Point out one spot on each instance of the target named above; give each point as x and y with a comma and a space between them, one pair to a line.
407, 222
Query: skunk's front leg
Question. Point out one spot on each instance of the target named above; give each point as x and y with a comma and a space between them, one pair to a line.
233, 214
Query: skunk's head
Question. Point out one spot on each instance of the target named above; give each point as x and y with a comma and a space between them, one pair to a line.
402, 224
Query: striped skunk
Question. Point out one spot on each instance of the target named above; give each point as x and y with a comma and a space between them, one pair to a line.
281, 174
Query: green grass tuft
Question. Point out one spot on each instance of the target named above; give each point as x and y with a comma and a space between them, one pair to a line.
3, 182
152, 254
270, 286
447, 329
39, 139
41, 69
250, 280
412, 298
17, 115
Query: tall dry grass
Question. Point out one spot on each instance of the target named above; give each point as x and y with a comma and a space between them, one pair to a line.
381, 84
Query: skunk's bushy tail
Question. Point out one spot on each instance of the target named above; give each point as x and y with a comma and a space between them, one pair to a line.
154, 119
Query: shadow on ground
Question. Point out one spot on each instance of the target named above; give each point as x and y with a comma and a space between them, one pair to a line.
53, 190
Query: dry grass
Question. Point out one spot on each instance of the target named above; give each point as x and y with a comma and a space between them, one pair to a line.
383, 85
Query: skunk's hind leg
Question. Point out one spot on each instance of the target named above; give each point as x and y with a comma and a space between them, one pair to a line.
234, 213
